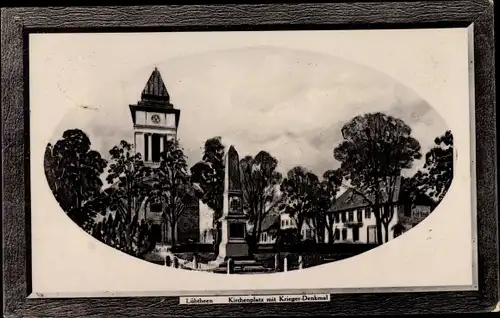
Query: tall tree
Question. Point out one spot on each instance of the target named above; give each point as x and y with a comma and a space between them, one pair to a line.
299, 190
129, 187
326, 196
439, 166
415, 185
171, 185
259, 184
116, 233
73, 172
375, 149
209, 175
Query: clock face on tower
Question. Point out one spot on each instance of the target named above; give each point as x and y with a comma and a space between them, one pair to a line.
155, 119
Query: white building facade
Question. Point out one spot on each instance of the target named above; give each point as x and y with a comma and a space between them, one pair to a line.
357, 225
353, 220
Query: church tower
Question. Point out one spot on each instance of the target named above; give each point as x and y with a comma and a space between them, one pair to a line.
155, 120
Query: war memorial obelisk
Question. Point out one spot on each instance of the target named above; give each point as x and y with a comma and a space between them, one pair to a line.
233, 221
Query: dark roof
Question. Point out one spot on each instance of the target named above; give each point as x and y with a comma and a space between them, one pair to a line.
419, 199
352, 199
155, 98
270, 221
155, 89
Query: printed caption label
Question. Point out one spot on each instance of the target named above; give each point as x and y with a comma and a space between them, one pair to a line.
254, 299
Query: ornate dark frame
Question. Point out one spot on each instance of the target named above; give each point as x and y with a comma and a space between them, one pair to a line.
17, 23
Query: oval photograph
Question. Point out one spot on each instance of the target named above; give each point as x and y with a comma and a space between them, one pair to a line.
244, 161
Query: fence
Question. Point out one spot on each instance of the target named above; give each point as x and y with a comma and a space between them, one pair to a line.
302, 248
193, 248
317, 248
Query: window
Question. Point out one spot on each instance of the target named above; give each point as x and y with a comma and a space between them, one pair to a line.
146, 147
237, 230
308, 233
351, 216
287, 222
264, 237
155, 144
343, 216
282, 223
235, 204
355, 234
337, 217
360, 215
337, 234
155, 207
344, 234
368, 212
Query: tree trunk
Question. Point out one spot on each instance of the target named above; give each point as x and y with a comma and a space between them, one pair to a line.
387, 218
130, 209
299, 222
378, 222
252, 241
321, 231
218, 237
386, 229
172, 232
330, 235
329, 227
259, 232
315, 229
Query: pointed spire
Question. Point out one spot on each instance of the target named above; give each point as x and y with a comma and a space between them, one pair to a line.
232, 150
155, 88
232, 167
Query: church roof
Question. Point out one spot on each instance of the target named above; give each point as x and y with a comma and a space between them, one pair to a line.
155, 88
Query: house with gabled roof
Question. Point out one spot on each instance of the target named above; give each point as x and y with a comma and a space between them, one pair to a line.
269, 228
275, 221
353, 220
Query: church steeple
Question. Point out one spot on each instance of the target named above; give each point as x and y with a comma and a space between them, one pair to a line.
155, 89
155, 98
154, 118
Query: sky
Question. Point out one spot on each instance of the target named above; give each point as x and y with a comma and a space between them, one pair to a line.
289, 102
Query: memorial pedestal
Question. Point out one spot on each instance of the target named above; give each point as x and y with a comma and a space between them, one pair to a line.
233, 221
233, 243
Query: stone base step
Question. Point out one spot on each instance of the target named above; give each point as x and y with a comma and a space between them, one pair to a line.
243, 270
241, 266
243, 263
